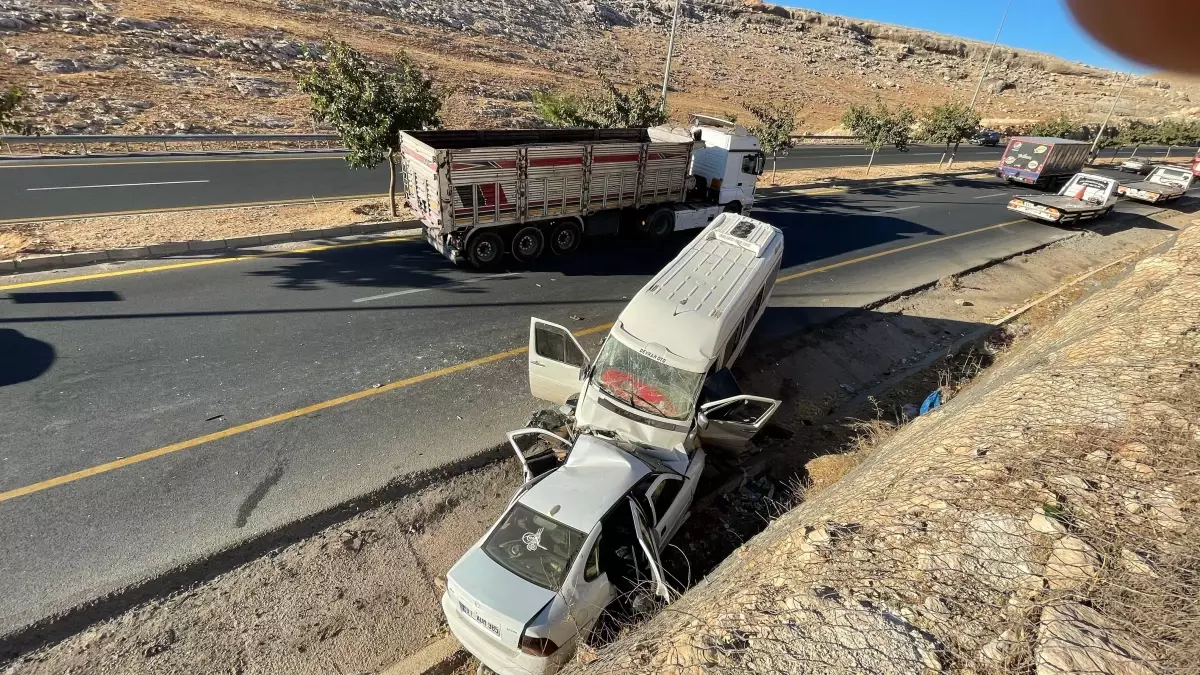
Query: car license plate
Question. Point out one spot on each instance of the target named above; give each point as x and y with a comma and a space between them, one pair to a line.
487, 625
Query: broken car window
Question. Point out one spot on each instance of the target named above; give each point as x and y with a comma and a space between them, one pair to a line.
535, 547
644, 383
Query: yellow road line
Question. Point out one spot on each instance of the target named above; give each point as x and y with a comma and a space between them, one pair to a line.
392, 386
881, 254
212, 207
202, 263
267, 421
212, 160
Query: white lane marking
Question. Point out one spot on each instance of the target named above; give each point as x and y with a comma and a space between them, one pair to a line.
994, 194
410, 291
899, 208
113, 185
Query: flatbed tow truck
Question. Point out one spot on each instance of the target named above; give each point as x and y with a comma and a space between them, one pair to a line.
1164, 184
1085, 197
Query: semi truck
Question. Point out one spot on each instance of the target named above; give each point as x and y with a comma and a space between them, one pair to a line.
1164, 184
1085, 197
483, 193
1043, 162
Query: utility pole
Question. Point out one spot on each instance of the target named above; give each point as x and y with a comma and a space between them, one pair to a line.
986, 62
1096, 140
670, 50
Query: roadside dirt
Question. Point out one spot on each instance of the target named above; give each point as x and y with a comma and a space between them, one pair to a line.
806, 177
90, 234
362, 595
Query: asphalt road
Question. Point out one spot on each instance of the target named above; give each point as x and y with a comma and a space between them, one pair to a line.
62, 188
223, 401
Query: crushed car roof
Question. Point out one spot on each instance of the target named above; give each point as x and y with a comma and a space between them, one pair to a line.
596, 474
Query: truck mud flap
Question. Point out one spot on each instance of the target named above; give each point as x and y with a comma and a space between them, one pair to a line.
450, 252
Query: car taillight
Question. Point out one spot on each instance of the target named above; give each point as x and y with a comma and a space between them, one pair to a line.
538, 646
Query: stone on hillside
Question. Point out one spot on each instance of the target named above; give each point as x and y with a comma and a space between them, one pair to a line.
1073, 638
1073, 564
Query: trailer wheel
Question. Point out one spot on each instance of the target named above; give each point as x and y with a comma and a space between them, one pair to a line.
565, 237
660, 224
733, 207
484, 249
528, 244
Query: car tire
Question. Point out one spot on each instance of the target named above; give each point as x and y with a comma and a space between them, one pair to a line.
565, 237
528, 244
484, 250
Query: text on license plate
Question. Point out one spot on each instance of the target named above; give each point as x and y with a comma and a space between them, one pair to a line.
491, 627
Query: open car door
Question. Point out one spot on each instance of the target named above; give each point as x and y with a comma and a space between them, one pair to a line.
555, 360
647, 541
730, 423
538, 450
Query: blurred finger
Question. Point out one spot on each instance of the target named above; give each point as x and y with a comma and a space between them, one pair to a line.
1160, 33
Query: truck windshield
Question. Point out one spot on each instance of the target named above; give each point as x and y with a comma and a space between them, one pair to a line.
641, 381
535, 547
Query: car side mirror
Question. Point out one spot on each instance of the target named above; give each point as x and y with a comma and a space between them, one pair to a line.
701, 421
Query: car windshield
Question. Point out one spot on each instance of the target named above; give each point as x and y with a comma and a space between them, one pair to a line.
641, 381
535, 547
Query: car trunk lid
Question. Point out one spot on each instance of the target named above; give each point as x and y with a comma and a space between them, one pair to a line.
496, 601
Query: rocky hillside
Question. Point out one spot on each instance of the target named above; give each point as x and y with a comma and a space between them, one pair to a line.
224, 65
1045, 520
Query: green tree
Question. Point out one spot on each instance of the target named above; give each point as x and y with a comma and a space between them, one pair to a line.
949, 123
612, 109
1061, 127
1136, 133
10, 106
879, 125
773, 129
369, 104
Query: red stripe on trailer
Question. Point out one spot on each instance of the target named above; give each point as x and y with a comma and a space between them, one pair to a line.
612, 159
556, 162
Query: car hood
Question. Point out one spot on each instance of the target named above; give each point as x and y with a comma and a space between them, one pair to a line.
499, 602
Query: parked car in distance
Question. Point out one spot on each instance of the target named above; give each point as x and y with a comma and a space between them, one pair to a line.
1139, 165
986, 137
578, 535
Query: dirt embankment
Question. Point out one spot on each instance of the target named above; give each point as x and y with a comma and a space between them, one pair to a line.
1045, 520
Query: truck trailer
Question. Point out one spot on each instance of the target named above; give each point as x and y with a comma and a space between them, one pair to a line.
483, 193
1045, 163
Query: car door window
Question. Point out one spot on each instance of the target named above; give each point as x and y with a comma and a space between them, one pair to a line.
741, 412
592, 571
556, 344
662, 495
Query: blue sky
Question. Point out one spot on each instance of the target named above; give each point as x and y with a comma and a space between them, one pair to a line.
1056, 32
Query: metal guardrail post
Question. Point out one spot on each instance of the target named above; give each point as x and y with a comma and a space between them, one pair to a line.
85, 148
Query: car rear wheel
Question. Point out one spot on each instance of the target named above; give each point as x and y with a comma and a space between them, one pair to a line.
485, 249
528, 244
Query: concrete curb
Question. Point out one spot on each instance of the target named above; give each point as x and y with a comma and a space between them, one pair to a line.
42, 263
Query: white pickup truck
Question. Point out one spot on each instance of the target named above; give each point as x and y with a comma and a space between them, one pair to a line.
1085, 197
1164, 184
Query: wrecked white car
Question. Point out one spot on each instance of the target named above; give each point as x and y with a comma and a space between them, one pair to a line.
581, 532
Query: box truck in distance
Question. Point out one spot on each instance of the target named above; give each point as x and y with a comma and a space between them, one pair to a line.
1045, 163
483, 193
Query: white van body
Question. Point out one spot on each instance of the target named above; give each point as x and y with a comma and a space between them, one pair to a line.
690, 321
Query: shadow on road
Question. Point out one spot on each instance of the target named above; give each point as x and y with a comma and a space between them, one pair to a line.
39, 297
22, 358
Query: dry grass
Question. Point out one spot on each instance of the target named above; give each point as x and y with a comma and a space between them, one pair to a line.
832, 174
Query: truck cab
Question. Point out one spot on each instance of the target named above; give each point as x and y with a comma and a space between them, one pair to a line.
726, 163
662, 375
